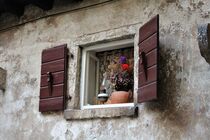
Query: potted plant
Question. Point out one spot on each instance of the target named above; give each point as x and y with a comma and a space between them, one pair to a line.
122, 81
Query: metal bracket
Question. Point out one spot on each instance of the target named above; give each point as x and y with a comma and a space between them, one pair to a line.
50, 82
143, 62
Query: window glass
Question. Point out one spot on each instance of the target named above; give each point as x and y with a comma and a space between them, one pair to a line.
108, 72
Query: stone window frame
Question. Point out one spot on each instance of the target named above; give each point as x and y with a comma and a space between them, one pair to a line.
100, 47
74, 111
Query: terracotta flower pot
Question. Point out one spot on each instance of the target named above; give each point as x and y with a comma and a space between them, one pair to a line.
119, 97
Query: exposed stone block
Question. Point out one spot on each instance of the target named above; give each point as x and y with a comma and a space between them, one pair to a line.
204, 41
2, 79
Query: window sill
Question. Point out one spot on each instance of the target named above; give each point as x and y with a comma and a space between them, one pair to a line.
108, 106
92, 113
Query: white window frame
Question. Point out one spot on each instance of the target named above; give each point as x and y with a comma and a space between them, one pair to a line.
98, 48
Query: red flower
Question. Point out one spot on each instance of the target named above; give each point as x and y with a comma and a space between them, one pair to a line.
125, 67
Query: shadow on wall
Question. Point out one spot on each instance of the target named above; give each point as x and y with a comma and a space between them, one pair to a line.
169, 104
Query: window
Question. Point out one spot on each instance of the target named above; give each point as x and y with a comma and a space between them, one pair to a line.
99, 78
146, 74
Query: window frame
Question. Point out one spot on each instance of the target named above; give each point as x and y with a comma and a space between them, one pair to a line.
111, 45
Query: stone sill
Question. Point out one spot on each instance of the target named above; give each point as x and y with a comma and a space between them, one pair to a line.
72, 114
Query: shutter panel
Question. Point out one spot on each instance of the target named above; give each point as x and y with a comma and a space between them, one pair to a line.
148, 60
53, 79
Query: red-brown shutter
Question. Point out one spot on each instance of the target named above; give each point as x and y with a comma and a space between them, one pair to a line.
53, 79
148, 60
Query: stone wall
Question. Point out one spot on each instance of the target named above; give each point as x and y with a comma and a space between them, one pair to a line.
183, 108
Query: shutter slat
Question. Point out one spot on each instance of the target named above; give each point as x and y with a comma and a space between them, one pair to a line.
148, 29
53, 54
51, 104
58, 78
148, 92
57, 90
54, 66
149, 44
148, 62
152, 76
151, 59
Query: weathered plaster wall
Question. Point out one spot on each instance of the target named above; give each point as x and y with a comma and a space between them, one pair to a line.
183, 109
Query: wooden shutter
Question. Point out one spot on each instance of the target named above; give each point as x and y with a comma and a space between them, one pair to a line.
148, 60
53, 79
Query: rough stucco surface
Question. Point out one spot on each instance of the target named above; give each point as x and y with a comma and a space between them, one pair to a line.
183, 109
